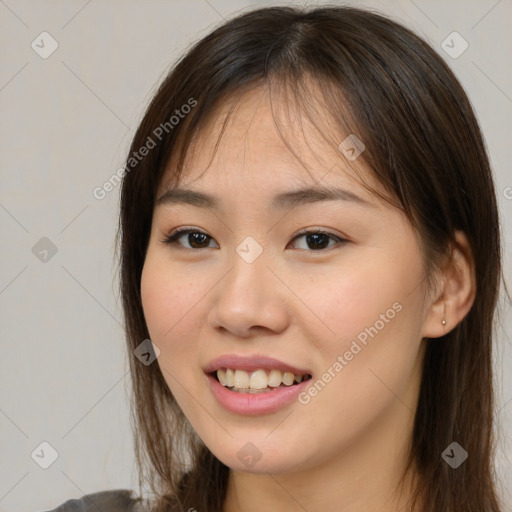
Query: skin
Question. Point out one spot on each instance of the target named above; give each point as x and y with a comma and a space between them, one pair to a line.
301, 305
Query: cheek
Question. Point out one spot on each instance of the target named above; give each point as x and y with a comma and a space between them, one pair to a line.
371, 316
171, 302
167, 297
164, 302
370, 363
360, 294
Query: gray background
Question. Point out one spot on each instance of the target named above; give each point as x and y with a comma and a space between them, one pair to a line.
65, 126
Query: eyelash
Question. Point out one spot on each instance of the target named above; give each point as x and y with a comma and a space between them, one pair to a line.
173, 238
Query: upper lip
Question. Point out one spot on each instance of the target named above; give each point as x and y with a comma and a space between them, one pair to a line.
252, 363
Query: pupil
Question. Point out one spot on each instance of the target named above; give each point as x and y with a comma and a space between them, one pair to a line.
315, 237
192, 235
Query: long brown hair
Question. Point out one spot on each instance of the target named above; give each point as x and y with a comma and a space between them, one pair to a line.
379, 80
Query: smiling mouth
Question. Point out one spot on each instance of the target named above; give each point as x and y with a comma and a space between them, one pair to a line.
259, 381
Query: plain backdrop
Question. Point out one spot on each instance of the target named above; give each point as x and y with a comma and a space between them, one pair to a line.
65, 126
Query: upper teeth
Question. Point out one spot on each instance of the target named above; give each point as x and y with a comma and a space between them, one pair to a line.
257, 379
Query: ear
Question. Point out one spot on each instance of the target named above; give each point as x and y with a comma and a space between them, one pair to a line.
455, 290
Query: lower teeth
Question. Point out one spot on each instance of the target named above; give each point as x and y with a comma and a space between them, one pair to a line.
252, 391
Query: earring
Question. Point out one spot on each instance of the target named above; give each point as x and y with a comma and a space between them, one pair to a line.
443, 321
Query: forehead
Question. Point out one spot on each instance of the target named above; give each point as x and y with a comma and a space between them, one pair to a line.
257, 142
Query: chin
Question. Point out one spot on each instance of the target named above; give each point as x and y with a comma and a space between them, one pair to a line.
258, 458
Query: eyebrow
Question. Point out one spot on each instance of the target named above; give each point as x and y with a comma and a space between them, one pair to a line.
284, 200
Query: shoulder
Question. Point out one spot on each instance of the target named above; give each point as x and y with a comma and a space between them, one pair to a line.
120, 500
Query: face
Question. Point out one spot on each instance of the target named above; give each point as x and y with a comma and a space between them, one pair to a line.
346, 303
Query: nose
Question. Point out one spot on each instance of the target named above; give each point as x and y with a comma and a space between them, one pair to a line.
250, 300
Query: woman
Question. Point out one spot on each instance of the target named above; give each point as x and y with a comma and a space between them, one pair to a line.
309, 237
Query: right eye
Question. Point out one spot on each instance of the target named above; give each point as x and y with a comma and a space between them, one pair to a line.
196, 239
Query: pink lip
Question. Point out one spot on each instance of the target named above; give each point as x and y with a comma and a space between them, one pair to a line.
255, 403
251, 363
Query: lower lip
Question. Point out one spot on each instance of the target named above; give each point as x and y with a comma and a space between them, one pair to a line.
255, 403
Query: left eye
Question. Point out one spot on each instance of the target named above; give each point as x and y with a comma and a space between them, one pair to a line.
319, 239
316, 240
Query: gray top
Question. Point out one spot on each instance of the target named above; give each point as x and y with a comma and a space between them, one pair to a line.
119, 500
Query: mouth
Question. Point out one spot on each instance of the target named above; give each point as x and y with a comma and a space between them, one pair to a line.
253, 384
256, 391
